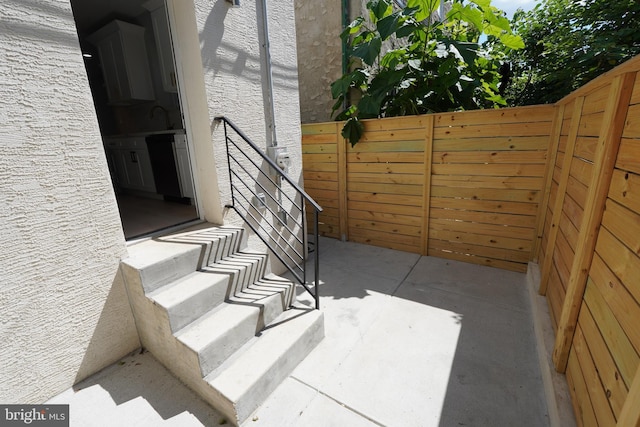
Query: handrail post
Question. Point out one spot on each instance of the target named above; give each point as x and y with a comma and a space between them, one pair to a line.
226, 141
316, 274
305, 239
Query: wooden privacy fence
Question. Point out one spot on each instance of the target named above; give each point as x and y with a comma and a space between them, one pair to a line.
464, 186
590, 268
557, 184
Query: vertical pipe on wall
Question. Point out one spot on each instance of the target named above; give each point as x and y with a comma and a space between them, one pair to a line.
345, 24
272, 140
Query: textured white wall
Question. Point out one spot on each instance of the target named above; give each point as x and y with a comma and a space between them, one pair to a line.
318, 25
235, 78
63, 309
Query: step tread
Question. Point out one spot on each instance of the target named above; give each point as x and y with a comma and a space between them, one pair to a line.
207, 329
267, 355
243, 268
186, 287
209, 239
152, 252
186, 299
244, 306
161, 261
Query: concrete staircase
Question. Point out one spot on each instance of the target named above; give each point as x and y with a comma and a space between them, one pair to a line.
211, 312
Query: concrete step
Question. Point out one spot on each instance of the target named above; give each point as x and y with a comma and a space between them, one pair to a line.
247, 378
216, 317
158, 262
243, 269
217, 242
188, 298
219, 333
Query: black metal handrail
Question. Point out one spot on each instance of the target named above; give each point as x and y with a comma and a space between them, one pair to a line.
256, 188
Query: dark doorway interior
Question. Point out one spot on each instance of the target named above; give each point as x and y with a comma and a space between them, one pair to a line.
129, 61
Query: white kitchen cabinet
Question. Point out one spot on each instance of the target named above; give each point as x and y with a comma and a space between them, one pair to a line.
123, 57
164, 47
130, 163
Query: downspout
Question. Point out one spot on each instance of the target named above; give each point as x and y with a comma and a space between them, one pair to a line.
345, 24
271, 119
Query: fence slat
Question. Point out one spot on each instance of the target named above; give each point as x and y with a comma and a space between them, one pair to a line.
630, 414
427, 184
559, 201
551, 160
343, 204
610, 376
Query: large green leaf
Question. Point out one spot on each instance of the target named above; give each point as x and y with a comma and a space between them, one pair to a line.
353, 79
379, 9
424, 8
393, 58
500, 22
492, 30
468, 51
468, 14
352, 28
369, 106
407, 28
352, 130
388, 25
385, 82
512, 41
338, 104
484, 4
368, 51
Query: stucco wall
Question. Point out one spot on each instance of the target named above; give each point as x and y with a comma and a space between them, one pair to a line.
235, 79
318, 25
64, 311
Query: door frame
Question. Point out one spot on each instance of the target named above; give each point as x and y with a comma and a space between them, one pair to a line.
192, 93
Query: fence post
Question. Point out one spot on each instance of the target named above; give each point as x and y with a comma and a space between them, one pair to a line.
343, 210
604, 163
552, 154
560, 195
426, 192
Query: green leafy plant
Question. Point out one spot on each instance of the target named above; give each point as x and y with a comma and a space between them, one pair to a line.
403, 61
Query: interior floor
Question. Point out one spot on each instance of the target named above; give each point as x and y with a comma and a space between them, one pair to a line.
141, 215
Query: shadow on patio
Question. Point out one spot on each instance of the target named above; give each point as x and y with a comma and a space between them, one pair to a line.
414, 341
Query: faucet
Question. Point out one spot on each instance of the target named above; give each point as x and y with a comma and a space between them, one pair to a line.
168, 124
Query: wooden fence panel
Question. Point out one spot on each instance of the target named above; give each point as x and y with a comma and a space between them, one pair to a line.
321, 179
612, 294
463, 185
590, 258
385, 170
487, 182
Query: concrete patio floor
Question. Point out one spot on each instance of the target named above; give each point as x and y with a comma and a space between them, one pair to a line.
410, 341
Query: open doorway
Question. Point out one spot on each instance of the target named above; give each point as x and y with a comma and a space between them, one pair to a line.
129, 61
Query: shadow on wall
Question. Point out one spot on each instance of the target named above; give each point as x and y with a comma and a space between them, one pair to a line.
37, 31
217, 54
115, 333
